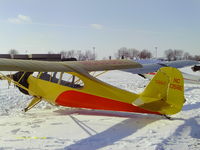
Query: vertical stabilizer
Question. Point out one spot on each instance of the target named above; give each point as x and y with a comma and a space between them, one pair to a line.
164, 93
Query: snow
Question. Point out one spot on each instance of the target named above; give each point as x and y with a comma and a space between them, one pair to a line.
50, 127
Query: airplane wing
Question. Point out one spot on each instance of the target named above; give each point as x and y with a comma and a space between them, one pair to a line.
45, 66
146, 68
180, 63
100, 65
153, 67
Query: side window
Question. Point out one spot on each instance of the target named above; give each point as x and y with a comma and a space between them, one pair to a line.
35, 74
45, 76
62, 78
55, 77
71, 81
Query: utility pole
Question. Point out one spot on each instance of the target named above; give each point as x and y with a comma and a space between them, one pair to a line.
94, 55
156, 51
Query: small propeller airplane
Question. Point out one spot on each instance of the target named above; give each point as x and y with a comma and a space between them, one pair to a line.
188, 78
151, 66
44, 80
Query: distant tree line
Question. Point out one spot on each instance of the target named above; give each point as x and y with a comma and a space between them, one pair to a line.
79, 55
132, 53
170, 54
124, 53
175, 54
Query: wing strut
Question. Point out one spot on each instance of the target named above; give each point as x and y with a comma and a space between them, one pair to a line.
34, 102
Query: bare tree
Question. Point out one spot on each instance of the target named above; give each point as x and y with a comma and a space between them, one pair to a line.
197, 57
78, 54
144, 54
122, 52
169, 54
90, 55
63, 53
71, 53
174, 54
13, 52
186, 56
133, 53
178, 54
68, 54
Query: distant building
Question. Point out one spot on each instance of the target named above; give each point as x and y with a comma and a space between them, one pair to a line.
45, 57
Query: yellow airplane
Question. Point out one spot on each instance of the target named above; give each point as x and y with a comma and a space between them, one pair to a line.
164, 95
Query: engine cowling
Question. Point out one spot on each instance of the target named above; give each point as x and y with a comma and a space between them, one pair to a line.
23, 77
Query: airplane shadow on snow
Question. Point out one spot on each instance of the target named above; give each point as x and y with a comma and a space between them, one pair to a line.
191, 106
112, 134
101, 113
188, 89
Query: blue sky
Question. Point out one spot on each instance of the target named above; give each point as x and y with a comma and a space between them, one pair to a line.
39, 26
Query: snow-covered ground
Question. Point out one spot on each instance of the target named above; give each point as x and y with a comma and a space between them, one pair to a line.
50, 127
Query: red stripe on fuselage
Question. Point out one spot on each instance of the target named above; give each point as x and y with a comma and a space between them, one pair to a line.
152, 73
83, 100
